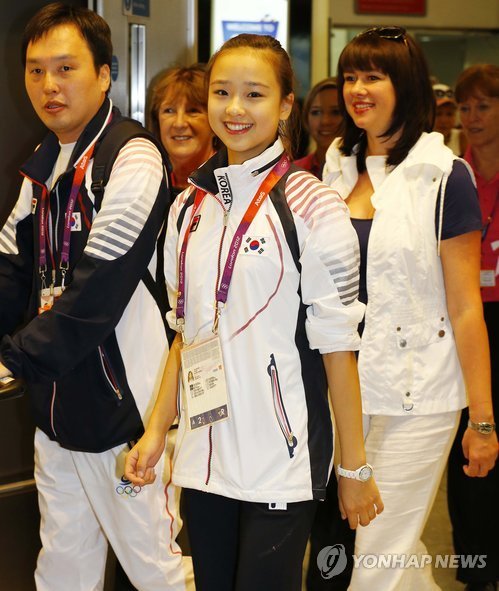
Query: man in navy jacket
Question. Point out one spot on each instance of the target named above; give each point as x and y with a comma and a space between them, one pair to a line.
79, 324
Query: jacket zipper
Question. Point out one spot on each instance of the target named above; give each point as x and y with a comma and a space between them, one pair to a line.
219, 264
280, 411
52, 404
109, 374
210, 454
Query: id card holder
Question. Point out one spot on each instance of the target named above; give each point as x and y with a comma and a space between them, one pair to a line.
205, 388
487, 278
47, 298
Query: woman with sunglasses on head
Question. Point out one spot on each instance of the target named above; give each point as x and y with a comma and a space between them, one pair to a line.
475, 527
322, 119
424, 345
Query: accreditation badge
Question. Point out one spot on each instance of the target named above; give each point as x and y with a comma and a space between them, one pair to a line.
46, 300
205, 388
487, 278
48, 296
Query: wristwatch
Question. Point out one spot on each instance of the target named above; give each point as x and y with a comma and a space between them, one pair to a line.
483, 427
363, 473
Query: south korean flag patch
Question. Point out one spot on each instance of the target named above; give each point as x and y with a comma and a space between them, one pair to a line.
76, 222
254, 245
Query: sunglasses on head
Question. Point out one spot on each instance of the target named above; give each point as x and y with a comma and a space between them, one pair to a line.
439, 93
390, 33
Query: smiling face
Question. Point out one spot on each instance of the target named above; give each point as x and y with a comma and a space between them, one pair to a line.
245, 102
370, 100
185, 132
324, 117
480, 120
62, 83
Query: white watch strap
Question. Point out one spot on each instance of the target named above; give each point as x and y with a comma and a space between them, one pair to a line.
347, 473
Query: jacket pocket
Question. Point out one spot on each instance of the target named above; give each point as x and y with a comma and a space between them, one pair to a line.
109, 374
420, 334
279, 409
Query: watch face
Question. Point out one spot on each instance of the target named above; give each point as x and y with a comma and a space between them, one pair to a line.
485, 428
365, 473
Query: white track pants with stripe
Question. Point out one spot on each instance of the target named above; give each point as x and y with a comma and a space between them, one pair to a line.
84, 504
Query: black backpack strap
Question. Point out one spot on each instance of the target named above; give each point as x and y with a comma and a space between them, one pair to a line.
107, 150
105, 154
185, 207
280, 203
157, 286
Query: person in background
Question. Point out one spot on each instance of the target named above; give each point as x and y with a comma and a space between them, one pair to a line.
424, 346
322, 119
473, 502
77, 321
254, 233
177, 115
445, 118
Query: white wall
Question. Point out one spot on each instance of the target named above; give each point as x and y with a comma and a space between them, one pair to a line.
446, 15
170, 40
451, 14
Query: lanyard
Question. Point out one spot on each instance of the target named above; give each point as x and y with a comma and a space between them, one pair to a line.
42, 235
78, 177
277, 172
490, 217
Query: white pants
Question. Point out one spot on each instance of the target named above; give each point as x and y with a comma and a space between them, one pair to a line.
84, 504
409, 456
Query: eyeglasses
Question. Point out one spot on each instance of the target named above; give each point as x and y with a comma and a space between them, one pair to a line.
390, 33
439, 93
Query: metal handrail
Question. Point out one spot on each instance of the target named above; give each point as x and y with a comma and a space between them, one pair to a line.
11, 388
17, 487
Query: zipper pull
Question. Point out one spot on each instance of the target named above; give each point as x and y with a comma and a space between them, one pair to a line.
226, 218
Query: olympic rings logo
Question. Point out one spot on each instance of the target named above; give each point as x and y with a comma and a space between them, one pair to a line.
126, 488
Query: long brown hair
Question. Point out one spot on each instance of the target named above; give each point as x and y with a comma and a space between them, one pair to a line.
398, 56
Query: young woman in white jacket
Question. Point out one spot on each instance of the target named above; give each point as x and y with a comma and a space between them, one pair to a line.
262, 268
424, 347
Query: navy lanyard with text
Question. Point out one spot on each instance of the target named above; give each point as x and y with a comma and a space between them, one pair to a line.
274, 176
79, 175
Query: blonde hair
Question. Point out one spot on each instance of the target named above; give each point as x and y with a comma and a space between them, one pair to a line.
187, 81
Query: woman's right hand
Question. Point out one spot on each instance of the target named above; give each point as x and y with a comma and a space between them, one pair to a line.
360, 502
141, 459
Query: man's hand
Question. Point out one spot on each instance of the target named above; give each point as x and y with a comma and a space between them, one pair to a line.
360, 502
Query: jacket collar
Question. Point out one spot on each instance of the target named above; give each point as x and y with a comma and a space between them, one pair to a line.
40, 164
204, 177
429, 150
